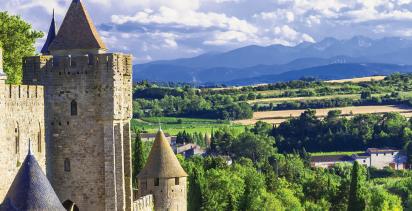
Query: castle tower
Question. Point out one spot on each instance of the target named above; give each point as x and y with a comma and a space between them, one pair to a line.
31, 190
164, 177
88, 107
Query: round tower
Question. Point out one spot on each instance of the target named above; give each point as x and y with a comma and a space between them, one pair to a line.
164, 177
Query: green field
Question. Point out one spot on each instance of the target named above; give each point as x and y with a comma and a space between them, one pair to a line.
335, 153
173, 125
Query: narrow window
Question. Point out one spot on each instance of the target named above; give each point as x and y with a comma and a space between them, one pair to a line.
156, 182
17, 145
67, 164
17, 138
39, 142
176, 180
73, 108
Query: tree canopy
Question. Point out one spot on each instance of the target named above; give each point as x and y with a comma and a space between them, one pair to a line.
17, 39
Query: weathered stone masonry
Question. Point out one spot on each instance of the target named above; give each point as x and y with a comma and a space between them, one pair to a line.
21, 120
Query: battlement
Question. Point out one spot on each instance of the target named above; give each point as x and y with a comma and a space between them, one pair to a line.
78, 65
144, 203
23, 91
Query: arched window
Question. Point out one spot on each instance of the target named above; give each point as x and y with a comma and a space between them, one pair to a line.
67, 164
70, 206
73, 108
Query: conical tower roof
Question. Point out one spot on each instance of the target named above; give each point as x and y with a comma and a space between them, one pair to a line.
77, 31
50, 37
162, 162
30, 190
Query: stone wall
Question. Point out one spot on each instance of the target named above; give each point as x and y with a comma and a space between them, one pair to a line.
22, 118
88, 103
144, 203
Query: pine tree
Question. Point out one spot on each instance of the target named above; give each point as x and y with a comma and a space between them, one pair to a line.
356, 201
138, 160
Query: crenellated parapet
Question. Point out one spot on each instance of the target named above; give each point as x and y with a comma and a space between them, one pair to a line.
38, 68
22, 92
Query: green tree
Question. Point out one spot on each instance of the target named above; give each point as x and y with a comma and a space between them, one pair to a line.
356, 200
17, 39
195, 190
365, 95
254, 147
138, 158
380, 199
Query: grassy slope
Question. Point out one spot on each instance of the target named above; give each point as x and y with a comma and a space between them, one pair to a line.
174, 125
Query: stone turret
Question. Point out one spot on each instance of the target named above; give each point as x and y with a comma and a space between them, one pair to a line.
164, 177
31, 190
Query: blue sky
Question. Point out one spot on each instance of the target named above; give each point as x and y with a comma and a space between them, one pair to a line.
167, 29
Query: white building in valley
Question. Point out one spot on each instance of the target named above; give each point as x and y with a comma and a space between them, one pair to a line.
373, 157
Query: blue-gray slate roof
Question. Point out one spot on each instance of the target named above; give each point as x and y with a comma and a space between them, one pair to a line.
31, 190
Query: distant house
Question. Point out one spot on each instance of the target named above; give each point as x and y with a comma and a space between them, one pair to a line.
188, 150
327, 161
378, 158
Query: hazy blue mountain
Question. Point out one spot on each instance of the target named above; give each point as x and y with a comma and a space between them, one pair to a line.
328, 72
255, 61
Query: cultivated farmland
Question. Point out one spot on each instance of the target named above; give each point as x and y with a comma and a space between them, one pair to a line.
276, 117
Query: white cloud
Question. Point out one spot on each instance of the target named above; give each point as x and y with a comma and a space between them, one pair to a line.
169, 16
228, 37
167, 29
290, 36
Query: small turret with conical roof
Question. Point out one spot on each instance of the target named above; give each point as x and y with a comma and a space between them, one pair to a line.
31, 190
164, 177
50, 37
77, 34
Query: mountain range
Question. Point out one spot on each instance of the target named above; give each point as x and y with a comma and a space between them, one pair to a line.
328, 59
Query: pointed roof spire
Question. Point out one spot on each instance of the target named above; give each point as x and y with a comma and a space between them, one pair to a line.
31, 190
30, 153
50, 36
162, 162
77, 31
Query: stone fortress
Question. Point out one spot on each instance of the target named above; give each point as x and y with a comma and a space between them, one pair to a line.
75, 108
